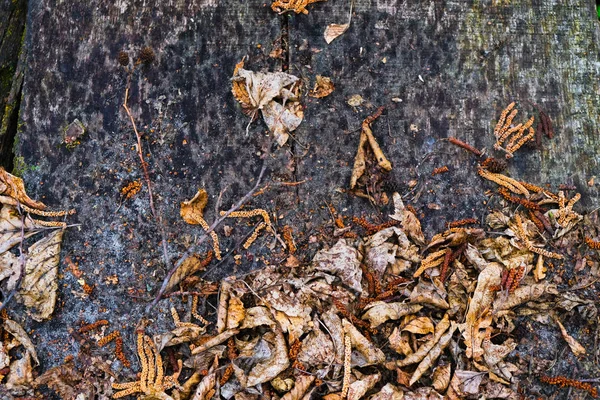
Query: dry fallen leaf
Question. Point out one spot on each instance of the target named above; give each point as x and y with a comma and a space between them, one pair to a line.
323, 87
207, 383
317, 349
189, 266
539, 272
466, 383
21, 373
420, 354
433, 354
274, 94
524, 294
88, 378
301, 386
369, 353
441, 377
192, 212
39, 285
479, 315
360, 160
360, 387
342, 261
235, 312
379, 312
270, 363
334, 30
14, 188
410, 223
576, 348
388, 392
420, 326
355, 100
429, 293
21, 336
400, 342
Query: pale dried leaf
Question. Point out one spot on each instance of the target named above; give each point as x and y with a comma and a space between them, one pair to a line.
205, 386
235, 312
334, 328
424, 393
317, 349
10, 268
334, 30
4, 358
14, 187
466, 382
369, 353
224, 294
19, 333
275, 94
401, 245
292, 315
422, 351
400, 342
433, 355
575, 346
410, 223
379, 258
264, 87
282, 119
214, 341
268, 369
182, 334
360, 163
11, 225
323, 87
494, 353
524, 294
342, 261
479, 315
497, 220
389, 392
379, 312
303, 382
189, 266
21, 373
359, 387
539, 272
420, 325
475, 258
282, 385
257, 316
39, 285
193, 210
428, 293
441, 377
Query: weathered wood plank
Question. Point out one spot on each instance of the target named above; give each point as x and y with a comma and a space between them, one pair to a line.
455, 65
193, 135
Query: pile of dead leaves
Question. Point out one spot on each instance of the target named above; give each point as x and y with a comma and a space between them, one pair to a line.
386, 316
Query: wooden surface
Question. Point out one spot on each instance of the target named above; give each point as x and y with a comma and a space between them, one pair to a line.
454, 64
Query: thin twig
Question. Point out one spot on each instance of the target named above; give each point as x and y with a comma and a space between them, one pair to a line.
180, 293
194, 248
156, 216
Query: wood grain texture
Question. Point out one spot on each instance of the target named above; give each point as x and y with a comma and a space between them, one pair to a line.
454, 64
